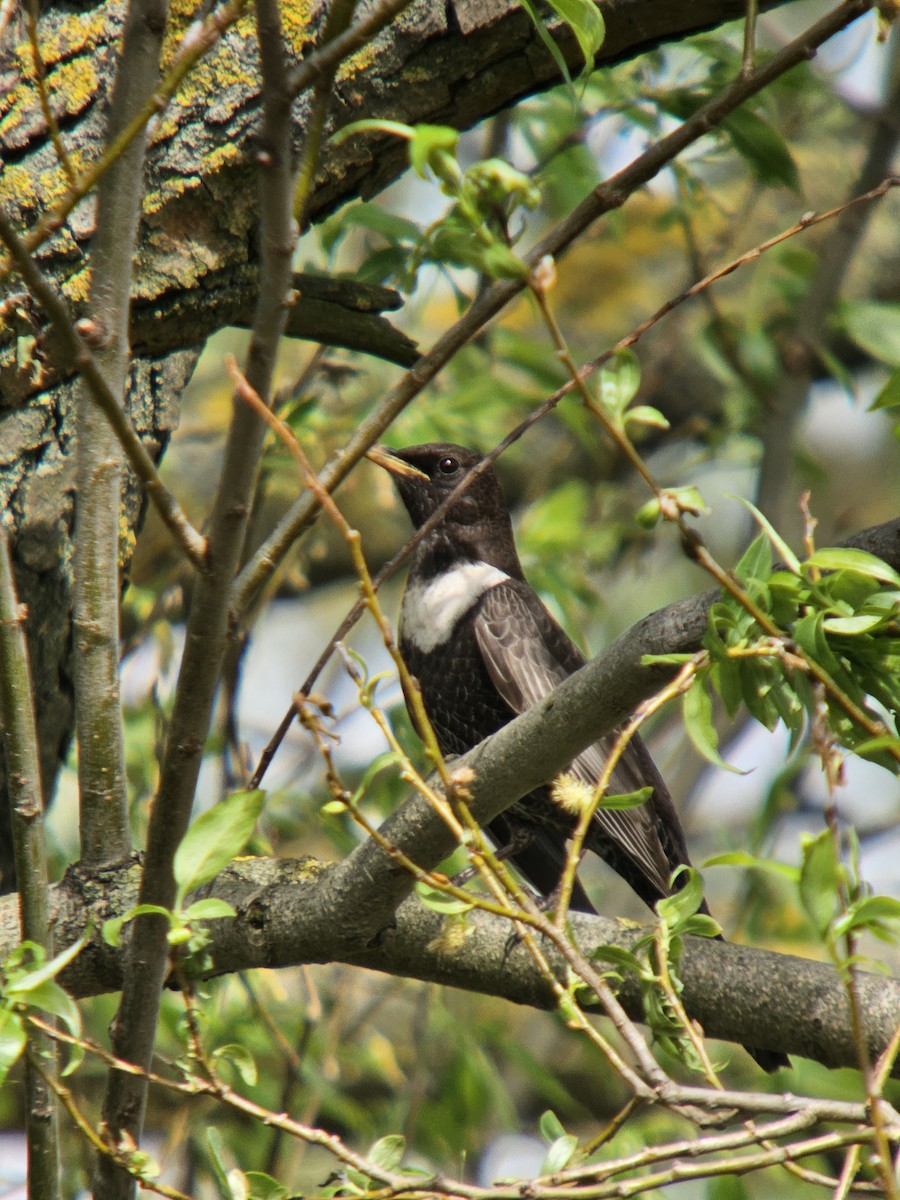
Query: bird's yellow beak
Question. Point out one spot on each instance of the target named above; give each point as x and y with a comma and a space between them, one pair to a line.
384, 458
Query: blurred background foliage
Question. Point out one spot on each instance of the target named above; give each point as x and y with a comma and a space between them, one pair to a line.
361, 1054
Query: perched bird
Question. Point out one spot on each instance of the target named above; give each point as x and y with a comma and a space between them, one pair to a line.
484, 648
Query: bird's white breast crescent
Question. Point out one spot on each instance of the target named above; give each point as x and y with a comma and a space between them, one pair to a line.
431, 609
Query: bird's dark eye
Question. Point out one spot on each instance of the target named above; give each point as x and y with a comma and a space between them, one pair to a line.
448, 465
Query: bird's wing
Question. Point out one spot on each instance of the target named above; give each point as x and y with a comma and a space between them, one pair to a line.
527, 655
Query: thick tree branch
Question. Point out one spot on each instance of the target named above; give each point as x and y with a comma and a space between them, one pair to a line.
284, 918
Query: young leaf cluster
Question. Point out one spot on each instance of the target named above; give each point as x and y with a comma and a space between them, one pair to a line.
839, 610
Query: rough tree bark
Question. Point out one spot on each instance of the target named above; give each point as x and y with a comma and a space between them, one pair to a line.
454, 63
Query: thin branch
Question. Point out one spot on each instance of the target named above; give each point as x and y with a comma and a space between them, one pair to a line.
18, 732
104, 823
40, 75
586, 1179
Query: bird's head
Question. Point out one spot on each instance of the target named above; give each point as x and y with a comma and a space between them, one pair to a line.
475, 526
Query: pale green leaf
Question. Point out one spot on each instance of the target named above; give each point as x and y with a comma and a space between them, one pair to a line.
210, 909
627, 799
820, 878
242, 1061
441, 902
586, 21
550, 1126
560, 1154
264, 1187
388, 1151
740, 858
875, 327
790, 558
214, 839
696, 707
46, 970
12, 1041
848, 558
889, 396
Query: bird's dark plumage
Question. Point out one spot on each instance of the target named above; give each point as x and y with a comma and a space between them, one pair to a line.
484, 649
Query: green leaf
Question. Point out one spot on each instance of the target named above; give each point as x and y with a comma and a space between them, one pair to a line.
242, 1061
627, 799
220, 1159
889, 396
373, 125
12, 1041
388, 1151
46, 970
51, 998
852, 626
550, 1126
886, 741
432, 148
264, 1187
550, 45
763, 148
867, 913
377, 219
498, 261
112, 929
700, 925
846, 558
214, 839
390, 758
617, 957
740, 858
560, 1154
644, 414
756, 561
696, 707
875, 327
820, 877
620, 379
684, 903
647, 516
210, 909
440, 902
586, 22
790, 558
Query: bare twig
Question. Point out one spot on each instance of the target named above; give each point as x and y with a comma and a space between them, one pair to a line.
587, 1180
40, 75
18, 734
104, 816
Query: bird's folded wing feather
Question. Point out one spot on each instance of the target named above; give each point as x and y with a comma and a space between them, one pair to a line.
527, 655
